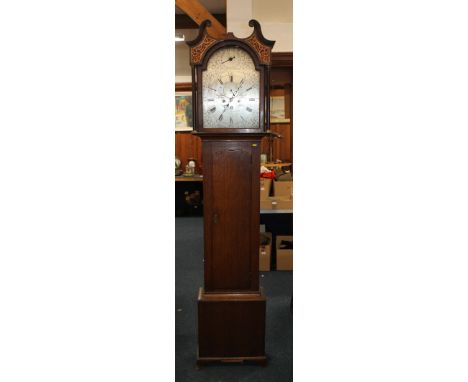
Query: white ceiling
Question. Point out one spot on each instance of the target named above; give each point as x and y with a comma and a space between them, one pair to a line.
214, 6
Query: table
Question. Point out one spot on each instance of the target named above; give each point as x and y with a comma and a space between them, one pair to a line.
193, 178
273, 165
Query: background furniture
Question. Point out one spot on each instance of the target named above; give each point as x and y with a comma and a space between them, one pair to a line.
188, 196
278, 222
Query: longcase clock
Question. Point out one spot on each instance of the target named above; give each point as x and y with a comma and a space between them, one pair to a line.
230, 84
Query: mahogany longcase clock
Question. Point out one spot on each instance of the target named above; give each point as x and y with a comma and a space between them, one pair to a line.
230, 85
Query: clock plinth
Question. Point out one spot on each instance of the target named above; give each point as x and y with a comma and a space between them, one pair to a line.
231, 327
231, 113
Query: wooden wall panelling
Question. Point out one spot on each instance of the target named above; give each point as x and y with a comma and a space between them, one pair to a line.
281, 84
281, 77
264, 146
282, 60
282, 147
188, 146
289, 108
183, 87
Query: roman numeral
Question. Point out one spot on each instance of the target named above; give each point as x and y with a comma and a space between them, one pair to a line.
249, 109
230, 121
221, 82
213, 109
210, 99
231, 78
220, 117
251, 99
248, 89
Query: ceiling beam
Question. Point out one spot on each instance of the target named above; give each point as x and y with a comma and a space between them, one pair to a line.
198, 13
185, 22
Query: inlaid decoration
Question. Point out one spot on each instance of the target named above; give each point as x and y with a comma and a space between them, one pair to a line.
197, 52
262, 50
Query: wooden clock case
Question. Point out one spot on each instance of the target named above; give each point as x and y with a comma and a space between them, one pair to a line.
231, 306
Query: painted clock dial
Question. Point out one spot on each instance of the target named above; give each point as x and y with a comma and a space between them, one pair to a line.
231, 90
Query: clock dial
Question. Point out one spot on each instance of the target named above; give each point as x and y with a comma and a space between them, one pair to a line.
231, 92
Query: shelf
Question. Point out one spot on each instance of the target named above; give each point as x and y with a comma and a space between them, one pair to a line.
196, 178
276, 211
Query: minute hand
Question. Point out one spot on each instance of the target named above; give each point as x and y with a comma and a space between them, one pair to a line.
240, 85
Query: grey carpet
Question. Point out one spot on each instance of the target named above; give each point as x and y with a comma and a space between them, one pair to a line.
279, 327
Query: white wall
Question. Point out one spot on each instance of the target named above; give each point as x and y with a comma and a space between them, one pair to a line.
183, 78
274, 16
280, 11
182, 58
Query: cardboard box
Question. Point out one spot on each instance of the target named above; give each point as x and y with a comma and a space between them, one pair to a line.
265, 254
284, 257
283, 189
276, 203
265, 187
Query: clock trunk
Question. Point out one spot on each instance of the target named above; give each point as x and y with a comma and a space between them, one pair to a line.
231, 306
231, 213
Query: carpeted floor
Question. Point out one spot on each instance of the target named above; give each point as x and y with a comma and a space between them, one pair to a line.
279, 326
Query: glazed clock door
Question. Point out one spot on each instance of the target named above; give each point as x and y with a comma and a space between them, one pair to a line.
231, 252
231, 91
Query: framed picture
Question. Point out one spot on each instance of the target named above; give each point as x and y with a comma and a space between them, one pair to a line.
277, 110
183, 111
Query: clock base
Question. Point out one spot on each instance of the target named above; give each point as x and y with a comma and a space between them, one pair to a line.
231, 327
261, 361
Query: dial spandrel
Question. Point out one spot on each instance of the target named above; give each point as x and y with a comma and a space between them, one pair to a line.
231, 90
